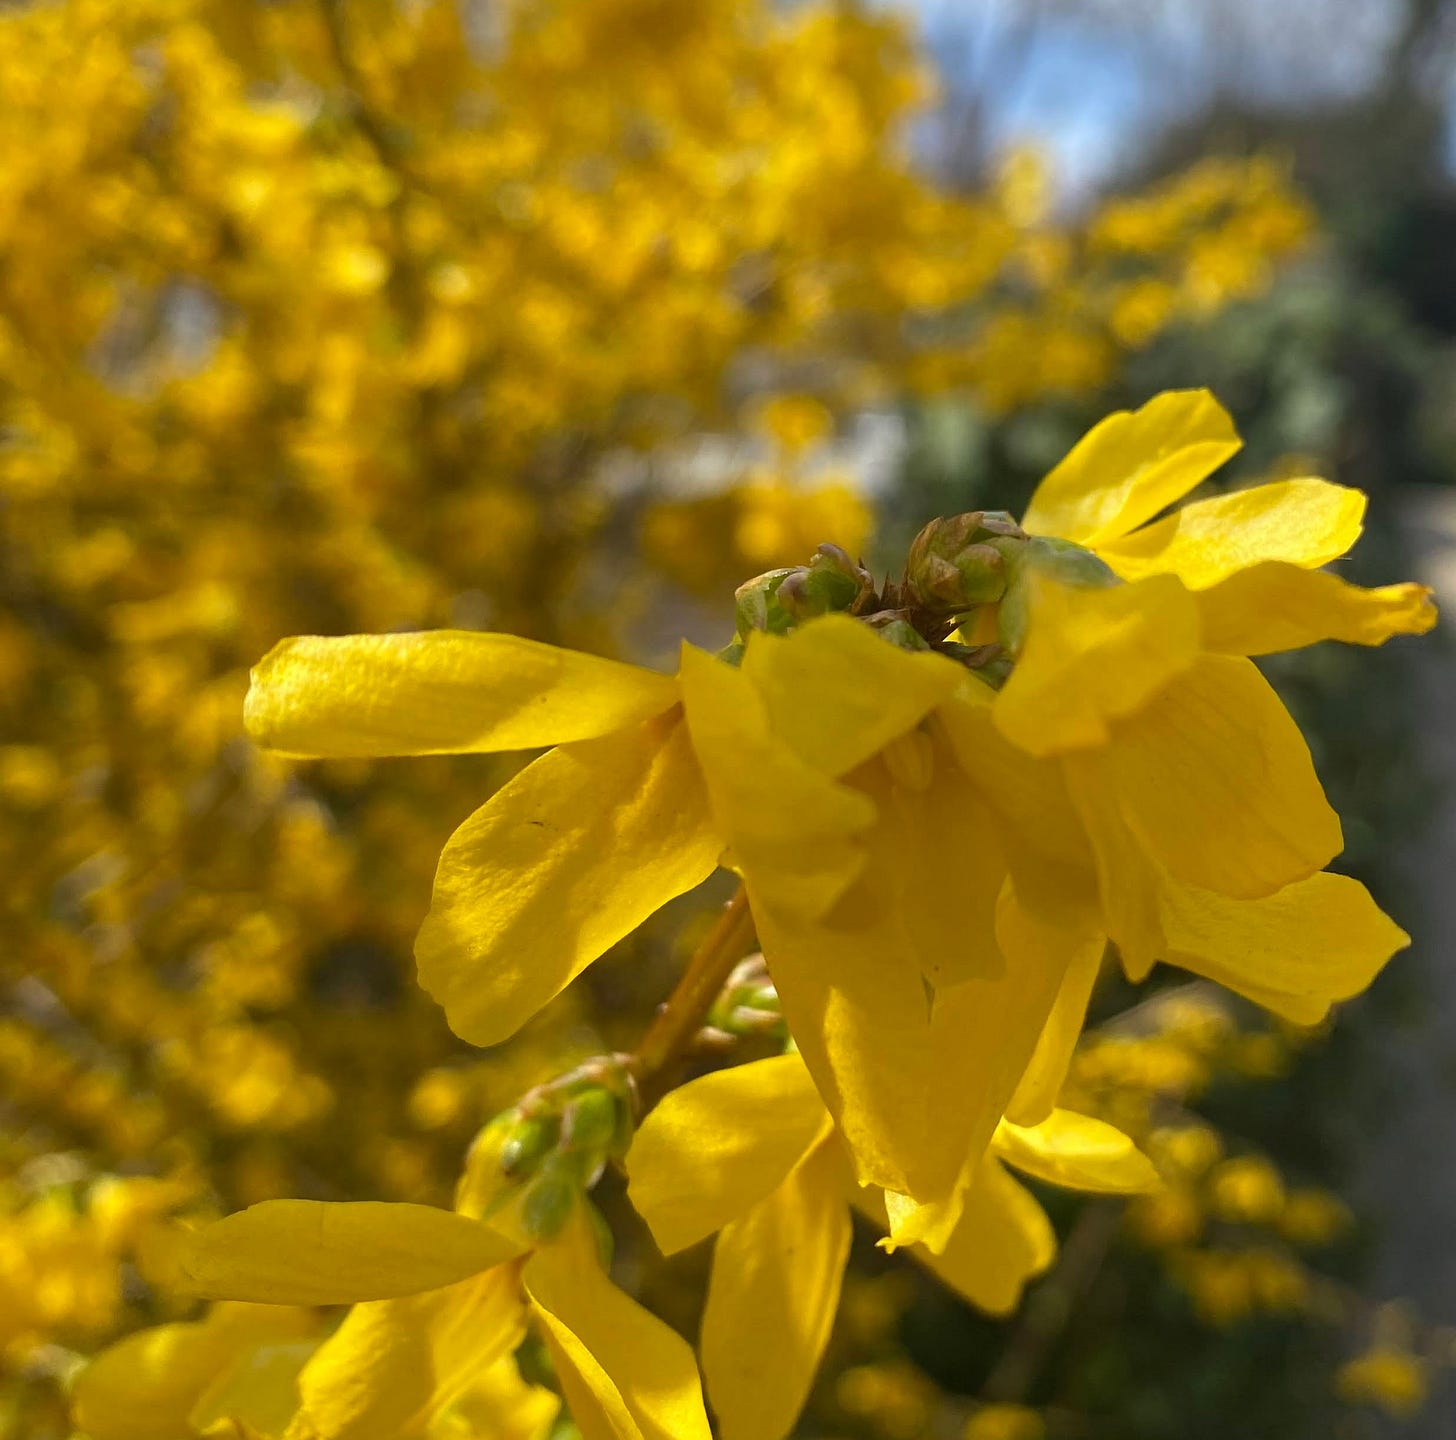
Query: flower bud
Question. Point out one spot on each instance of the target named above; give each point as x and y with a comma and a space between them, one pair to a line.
960, 561
589, 1122
895, 626
547, 1202
531, 1138
756, 604
1063, 561
831, 581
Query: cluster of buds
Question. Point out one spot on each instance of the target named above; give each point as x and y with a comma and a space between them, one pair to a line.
958, 566
528, 1167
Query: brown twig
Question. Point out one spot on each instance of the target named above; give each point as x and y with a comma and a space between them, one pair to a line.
670, 1036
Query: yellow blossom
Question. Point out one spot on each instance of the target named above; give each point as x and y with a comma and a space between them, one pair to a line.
750, 1152
439, 1299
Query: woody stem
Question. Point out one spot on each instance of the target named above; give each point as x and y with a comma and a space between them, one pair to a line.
676, 1024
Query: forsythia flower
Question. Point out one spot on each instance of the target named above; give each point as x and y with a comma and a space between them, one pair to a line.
934, 864
440, 1301
752, 1152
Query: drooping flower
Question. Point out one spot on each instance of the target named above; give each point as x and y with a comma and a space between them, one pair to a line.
934, 865
751, 1154
439, 1300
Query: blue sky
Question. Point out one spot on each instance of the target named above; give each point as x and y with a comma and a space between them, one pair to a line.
1087, 89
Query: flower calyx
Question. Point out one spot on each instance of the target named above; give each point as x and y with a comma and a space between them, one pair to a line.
529, 1166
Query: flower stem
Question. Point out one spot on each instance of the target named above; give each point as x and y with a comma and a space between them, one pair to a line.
676, 1024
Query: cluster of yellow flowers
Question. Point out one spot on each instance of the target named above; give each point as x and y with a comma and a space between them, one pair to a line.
943, 798
327, 317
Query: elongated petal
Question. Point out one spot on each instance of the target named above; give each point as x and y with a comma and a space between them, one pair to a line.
719, 1145
572, 855
1003, 1029
1275, 606
1001, 1240
1028, 794
625, 1374
1216, 783
256, 1396
395, 1364
502, 1405
1296, 952
772, 1298
1076, 1152
1127, 468
146, 1386
1004, 1241
941, 840
1093, 657
915, 1089
308, 1252
790, 824
441, 692
1302, 522
1036, 1095
1128, 880
836, 693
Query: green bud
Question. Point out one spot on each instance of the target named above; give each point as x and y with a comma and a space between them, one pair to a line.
1045, 555
757, 607
531, 1138
547, 1202
894, 626
960, 561
589, 1121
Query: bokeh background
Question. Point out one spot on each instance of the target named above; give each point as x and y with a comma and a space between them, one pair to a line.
564, 317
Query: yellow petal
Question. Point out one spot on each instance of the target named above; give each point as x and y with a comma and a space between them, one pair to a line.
788, 823
1040, 950
1037, 1092
567, 859
1302, 522
1028, 794
501, 1405
1078, 1153
1216, 783
145, 1386
1126, 469
1296, 952
395, 1364
440, 692
717, 1146
1128, 880
914, 1089
1093, 657
1002, 1238
1275, 606
931, 824
258, 1393
836, 693
772, 1297
308, 1252
1003, 1241
625, 1374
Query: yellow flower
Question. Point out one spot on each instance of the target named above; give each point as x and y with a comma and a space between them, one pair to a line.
267, 1371
439, 1300
1387, 1376
933, 866
752, 1153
